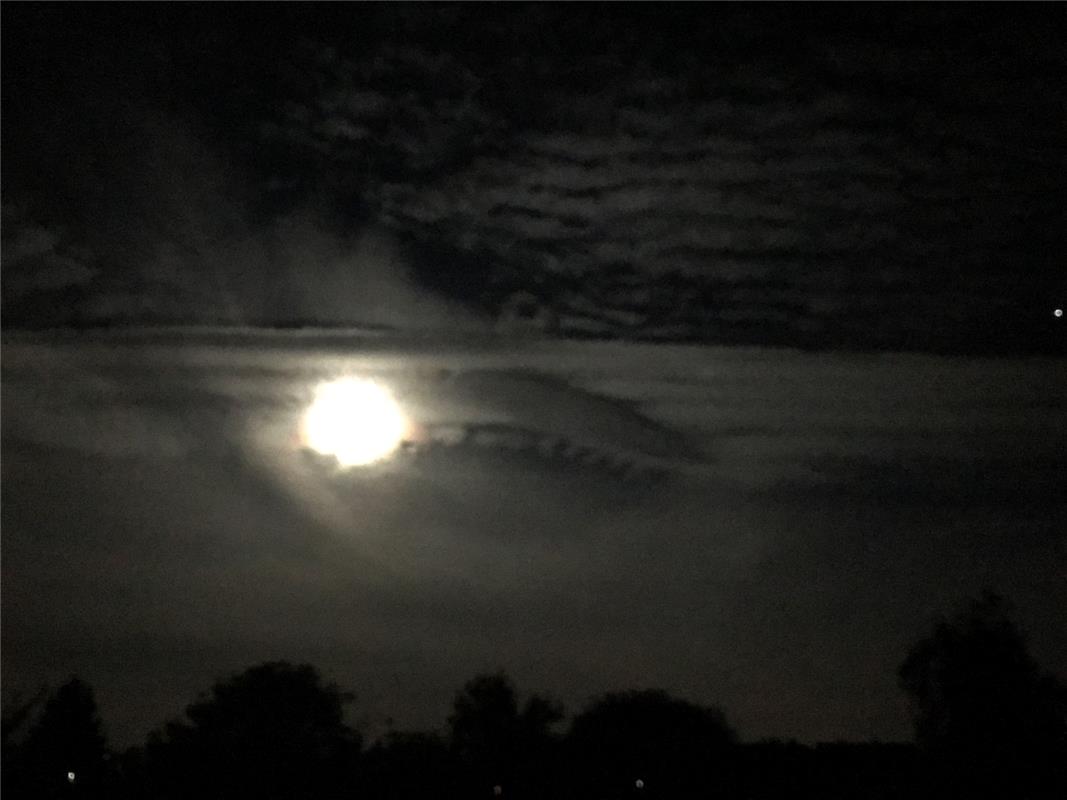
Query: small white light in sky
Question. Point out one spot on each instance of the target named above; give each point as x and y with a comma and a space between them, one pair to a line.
355, 420
1058, 312
70, 777
640, 784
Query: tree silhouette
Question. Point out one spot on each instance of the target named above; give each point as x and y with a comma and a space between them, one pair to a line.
496, 744
274, 730
992, 723
64, 753
652, 745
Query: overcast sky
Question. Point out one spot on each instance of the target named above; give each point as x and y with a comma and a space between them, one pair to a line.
160, 529
821, 250
888, 178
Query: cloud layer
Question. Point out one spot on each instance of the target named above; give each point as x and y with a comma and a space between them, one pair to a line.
888, 179
865, 190
161, 529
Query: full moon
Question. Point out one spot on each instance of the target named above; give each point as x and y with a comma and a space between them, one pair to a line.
355, 420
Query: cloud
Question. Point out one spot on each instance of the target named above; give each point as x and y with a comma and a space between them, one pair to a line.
184, 246
824, 178
363, 277
826, 516
37, 259
164, 221
868, 182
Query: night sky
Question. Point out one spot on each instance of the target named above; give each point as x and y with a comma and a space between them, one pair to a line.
729, 331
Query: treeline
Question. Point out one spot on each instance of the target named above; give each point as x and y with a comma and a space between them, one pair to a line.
989, 724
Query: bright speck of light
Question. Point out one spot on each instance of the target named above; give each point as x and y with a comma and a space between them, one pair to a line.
1058, 312
354, 420
640, 784
70, 777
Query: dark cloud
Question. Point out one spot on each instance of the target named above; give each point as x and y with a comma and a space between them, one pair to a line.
154, 506
890, 179
882, 193
42, 268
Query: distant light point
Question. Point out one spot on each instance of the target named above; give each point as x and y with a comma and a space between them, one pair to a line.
1058, 312
70, 777
640, 784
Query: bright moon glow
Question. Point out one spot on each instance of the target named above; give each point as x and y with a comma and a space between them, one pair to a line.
354, 420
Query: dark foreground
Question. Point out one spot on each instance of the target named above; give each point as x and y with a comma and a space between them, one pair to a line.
989, 724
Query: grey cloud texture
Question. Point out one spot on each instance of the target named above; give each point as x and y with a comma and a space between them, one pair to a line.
163, 229
828, 505
885, 179
883, 193
294, 271
37, 259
